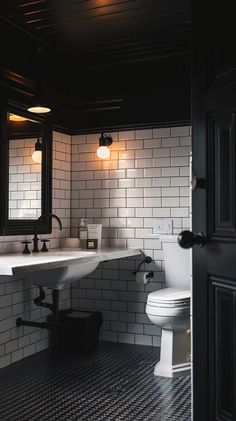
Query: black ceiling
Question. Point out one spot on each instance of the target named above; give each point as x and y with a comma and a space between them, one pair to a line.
96, 55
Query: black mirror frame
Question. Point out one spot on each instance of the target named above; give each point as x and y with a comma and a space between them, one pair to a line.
26, 226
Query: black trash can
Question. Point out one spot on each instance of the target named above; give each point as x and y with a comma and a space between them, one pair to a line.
78, 331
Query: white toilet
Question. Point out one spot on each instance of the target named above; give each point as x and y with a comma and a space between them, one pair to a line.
169, 308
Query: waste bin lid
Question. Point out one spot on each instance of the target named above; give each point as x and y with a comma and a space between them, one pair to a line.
80, 314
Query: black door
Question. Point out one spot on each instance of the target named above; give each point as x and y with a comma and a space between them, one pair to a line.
214, 211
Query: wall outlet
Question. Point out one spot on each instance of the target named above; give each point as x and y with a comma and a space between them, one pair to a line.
162, 226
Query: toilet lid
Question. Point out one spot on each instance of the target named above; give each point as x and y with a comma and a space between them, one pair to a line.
173, 297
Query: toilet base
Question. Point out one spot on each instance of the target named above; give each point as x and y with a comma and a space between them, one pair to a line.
176, 370
175, 352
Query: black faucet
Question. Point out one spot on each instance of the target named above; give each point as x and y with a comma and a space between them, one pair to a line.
35, 239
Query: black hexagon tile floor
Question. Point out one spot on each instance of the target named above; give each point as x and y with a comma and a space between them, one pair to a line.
114, 384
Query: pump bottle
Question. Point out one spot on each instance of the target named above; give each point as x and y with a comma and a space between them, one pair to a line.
83, 233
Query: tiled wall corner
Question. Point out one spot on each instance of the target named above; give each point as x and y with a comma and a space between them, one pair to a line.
16, 296
146, 177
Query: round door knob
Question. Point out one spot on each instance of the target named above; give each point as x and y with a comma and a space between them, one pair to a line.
198, 183
187, 239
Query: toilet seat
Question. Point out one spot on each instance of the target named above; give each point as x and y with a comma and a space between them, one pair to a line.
167, 311
169, 298
169, 307
172, 294
169, 304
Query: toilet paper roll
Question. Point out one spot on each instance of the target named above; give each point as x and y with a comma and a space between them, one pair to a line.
142, 277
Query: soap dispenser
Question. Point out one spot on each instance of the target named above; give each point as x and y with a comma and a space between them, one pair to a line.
83, 233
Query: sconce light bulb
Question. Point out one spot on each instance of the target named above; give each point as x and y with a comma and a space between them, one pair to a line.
37, 156
103, 152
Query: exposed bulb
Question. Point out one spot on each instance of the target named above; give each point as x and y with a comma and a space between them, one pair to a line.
103, 152
37, 156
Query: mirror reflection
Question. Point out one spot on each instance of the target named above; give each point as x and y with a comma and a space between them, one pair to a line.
25, 167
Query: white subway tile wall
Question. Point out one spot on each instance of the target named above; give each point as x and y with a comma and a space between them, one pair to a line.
146, 177
16, 296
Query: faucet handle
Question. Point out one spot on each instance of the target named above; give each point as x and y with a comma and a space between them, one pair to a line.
44, 248
26, 248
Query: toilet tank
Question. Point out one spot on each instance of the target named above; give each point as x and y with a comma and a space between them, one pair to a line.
177, 262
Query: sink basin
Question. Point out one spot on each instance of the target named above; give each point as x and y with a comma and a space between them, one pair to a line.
58, 278
55, 270
76, 267
59, 267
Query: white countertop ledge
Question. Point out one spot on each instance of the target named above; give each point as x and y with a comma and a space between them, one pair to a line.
17, 263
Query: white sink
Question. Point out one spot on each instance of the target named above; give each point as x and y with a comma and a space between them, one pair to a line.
55, 270
57, 278
58, 268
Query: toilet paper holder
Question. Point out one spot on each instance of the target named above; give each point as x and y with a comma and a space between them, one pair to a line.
147, 259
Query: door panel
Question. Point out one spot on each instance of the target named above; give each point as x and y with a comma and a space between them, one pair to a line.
222, 326
221, 152
214, 211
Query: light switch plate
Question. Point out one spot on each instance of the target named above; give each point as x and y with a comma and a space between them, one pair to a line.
162, 226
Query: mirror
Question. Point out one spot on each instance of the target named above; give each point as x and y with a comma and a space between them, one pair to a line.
26, 167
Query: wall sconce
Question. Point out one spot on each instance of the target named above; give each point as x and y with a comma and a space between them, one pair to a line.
38, 106
37, 154
103, 152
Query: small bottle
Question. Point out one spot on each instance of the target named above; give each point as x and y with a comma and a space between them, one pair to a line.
83, 233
